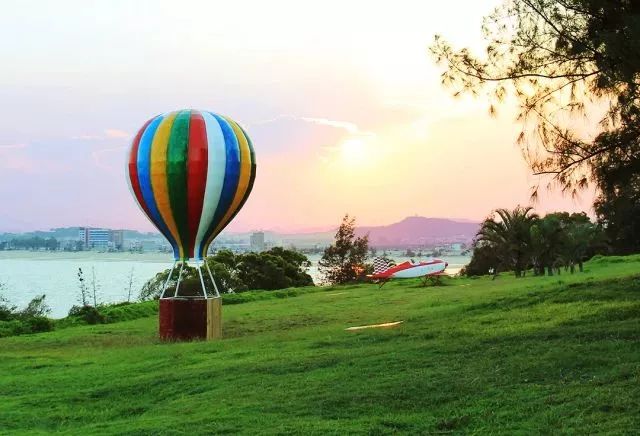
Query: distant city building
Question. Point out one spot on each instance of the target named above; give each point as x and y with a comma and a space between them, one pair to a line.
256, 241
101, 238
117, 239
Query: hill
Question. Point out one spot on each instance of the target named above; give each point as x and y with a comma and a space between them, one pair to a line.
411, 231
525, 356
419, 230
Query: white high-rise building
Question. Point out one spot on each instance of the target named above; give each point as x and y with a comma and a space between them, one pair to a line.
256, 240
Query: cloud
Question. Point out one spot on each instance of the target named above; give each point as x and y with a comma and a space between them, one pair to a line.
10, 159
88, 137
316, 137
18, 163
104, 158
24, 158
116, 133
350, 127
107, 134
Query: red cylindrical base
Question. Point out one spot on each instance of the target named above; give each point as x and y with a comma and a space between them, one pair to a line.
183, 319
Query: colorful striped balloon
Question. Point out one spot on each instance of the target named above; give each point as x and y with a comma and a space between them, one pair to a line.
191, 172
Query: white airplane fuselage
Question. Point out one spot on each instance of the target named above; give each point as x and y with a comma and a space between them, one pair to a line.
419, 271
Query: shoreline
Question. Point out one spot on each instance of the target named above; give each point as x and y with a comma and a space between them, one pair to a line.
87, 255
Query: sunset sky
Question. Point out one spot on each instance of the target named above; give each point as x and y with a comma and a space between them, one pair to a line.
341, 98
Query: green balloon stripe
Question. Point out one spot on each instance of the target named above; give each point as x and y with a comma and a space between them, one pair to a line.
177, 174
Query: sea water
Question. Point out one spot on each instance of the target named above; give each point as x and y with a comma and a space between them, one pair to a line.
25, 275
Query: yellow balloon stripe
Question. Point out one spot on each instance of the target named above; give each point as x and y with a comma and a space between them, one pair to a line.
243, 181
159, 181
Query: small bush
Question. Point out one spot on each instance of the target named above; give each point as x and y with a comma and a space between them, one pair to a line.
32, 319
36, 308
11, 328
88, 314
38, 324
17, 327
127, 311
6, 312
109, 313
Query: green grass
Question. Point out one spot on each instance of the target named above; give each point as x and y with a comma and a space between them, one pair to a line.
510, 356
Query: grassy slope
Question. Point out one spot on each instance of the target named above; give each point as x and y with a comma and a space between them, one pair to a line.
531, 355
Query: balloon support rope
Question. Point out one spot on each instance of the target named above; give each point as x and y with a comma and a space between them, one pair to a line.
175, 294
166, 283
204, 290
212, 280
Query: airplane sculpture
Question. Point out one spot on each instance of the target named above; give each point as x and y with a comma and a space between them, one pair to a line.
385, 270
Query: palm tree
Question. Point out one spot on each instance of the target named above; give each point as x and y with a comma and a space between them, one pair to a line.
548, 242
510, 235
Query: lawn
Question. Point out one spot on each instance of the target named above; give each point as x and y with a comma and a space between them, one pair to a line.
532, 355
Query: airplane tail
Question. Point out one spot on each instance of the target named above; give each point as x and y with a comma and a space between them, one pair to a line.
380, 264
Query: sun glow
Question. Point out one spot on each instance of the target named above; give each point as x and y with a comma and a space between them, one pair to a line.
353, 151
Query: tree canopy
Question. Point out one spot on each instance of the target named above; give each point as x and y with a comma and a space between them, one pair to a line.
277, 268
561, 58
519, 240
344, 260
510, 235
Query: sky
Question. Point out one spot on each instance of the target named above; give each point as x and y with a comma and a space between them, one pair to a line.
342, 101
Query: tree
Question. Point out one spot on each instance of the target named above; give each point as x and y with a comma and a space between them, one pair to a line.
224, 265
484, 260
344, 260
130, 287
7, 309
519, 240
510, 236
559, 58
583, 239
548, 241
264, 272
277, 268
31, 319
618, 206
37, 308
82, 287
94, 287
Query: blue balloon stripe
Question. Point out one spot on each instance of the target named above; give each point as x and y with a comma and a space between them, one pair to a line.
231, 178
144, 177
252, 178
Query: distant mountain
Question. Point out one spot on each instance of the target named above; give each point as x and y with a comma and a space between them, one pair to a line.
410, 231
417, 230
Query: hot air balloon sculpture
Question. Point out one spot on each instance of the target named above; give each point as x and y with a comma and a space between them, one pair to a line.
190, 172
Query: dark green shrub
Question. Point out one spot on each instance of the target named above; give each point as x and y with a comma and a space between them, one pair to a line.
38, 324
277, 268
88, 314
126, 312
11, 328
16, 327
7, 311
36, 308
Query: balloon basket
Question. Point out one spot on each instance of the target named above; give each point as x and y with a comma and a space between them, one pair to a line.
189, 318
